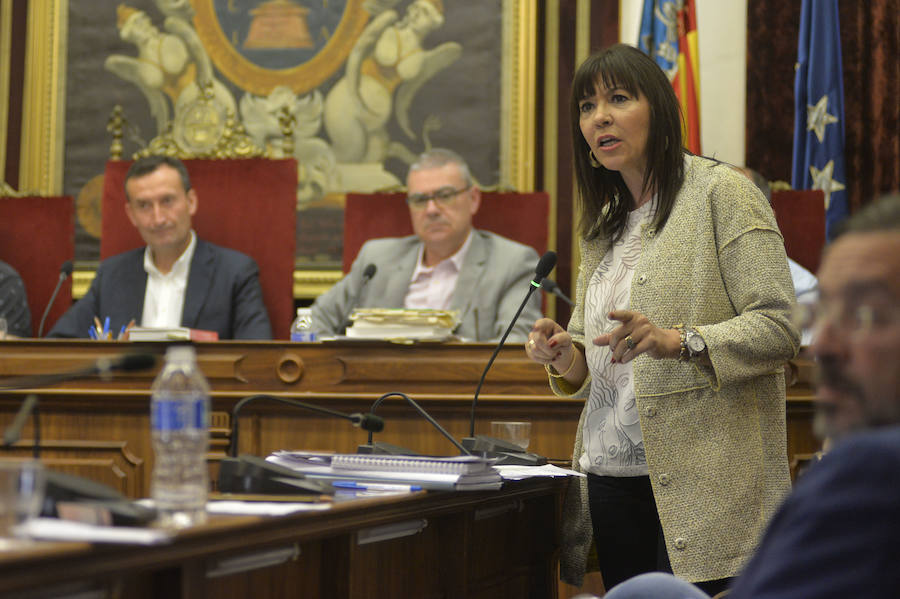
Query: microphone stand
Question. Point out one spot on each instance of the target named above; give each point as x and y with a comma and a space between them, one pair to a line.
550, 286
531, 289
369, 422
393, 449
13, 432
252, 474
64, 273
367, 275
509, 453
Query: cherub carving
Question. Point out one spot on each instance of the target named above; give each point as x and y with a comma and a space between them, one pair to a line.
171, 64
384, 71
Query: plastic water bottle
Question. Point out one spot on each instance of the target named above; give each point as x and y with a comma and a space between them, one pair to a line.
301, 328
179, 416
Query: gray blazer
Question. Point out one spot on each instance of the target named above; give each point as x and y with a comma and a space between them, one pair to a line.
222, 295
492, 283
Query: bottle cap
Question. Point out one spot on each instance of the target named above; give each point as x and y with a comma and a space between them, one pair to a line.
181, 352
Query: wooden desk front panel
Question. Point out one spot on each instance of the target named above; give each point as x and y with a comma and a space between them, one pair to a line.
345, 377
475, 545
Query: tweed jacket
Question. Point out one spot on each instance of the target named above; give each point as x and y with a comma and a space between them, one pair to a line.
714, 436
492, 283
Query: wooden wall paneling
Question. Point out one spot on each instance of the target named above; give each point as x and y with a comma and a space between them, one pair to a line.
108, 462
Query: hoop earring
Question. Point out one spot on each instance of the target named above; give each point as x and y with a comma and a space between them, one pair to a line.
592, 160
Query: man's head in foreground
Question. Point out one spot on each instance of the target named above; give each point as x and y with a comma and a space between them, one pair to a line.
857, 323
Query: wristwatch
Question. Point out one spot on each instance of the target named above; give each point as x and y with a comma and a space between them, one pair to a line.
693, 342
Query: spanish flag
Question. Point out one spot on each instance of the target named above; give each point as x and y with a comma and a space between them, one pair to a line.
669, 35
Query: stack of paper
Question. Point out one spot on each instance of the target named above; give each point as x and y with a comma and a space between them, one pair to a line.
402, 323
460, 473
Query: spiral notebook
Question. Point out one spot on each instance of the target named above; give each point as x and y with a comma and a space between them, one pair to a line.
453, 473
464, 464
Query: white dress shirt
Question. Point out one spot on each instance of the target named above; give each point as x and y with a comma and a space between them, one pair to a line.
164, 297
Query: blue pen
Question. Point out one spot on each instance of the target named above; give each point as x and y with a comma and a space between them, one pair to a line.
92, 333
346, 484
105, 327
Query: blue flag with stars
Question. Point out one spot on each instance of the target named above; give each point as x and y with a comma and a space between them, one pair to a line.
819, 109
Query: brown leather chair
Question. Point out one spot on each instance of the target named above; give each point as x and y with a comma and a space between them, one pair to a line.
37, 234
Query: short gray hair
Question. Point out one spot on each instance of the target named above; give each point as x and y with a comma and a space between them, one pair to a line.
438, 157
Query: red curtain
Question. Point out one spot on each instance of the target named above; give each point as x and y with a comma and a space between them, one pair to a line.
870, 44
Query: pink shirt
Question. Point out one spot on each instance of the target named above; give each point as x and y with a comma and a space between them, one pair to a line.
432, 287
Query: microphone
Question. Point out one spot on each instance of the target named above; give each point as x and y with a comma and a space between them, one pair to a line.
104, 367
394, 449
367, 275
508, 452
368, 422
550, 286
65, 271
251, 474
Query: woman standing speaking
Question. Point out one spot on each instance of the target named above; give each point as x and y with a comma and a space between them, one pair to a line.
677, 342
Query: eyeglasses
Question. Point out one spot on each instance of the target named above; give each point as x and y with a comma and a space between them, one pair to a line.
849, 318
443, 196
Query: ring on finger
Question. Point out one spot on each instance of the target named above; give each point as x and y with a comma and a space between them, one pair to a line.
531, 342
629, 342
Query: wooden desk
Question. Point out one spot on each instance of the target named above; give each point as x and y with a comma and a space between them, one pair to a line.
101, 429
471, 545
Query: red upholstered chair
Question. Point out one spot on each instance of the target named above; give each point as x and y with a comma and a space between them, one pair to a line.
248, 205
37, 234
801, 218
522, 217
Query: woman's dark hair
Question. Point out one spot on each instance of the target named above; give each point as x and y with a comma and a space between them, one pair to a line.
626, 67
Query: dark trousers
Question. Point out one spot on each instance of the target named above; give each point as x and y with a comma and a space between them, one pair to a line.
627, 532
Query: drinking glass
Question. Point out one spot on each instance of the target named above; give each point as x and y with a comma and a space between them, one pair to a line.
22, 484
514, 432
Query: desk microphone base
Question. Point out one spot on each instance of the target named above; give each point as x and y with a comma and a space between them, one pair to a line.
506, 453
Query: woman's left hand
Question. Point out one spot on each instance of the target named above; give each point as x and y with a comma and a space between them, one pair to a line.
636, 336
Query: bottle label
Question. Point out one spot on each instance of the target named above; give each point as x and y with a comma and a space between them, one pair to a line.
176, 414
304, 336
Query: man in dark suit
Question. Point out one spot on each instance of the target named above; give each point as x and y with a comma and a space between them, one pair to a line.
178, 279
446, 265
835, 535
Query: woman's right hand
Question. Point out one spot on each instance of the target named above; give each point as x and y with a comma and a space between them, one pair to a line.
550, 344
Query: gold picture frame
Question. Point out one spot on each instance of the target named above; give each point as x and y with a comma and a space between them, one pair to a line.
42, 159
259, 80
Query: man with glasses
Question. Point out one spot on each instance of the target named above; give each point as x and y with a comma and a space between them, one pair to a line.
446, 265
835, 535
